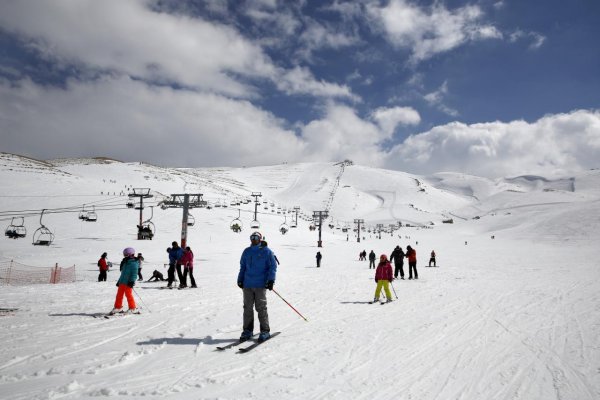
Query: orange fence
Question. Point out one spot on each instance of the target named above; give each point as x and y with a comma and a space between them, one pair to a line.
14, 273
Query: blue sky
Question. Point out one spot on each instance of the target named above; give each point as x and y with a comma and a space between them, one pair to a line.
493, 88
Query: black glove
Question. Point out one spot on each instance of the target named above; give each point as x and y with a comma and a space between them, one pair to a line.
269, 285
130, 284
241, 285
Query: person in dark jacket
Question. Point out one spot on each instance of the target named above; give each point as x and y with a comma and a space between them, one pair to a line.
126, 282
372, 257
103, 266
175, 254
257, 274
319, 256
411, 254
156, 276
432, 258
398, 257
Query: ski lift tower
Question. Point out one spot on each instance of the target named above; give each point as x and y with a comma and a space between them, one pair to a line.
256, 195
320, 215
379, 228
296, 209
185, 201
141, 193
358, 222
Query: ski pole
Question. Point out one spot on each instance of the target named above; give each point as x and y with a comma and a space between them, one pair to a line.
292, 307
139, 297
391, 284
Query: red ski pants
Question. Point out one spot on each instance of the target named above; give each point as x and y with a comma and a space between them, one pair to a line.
128, 292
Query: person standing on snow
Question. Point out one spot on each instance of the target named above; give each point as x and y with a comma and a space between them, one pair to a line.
319, 256
126, 282
398, 257
257, 274
411, 254
175, 254
432, 258
372, 259
383, 277
187, 260
140, 258
103, 266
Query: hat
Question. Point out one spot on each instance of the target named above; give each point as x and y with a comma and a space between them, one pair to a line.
104, 254
129, 251
256, 236
383, 258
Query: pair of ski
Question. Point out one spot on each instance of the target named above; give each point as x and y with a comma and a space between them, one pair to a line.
380, 302
248, 348
108, 316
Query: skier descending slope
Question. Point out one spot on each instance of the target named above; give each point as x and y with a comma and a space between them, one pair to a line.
383, 277
257, 273
129, 274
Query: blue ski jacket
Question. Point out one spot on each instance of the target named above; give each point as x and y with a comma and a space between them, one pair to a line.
257, 267
175, 255
129, 273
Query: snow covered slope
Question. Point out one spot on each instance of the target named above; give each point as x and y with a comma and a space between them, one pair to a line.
514, 317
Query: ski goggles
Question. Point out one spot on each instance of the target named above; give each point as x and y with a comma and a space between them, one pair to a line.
256, 236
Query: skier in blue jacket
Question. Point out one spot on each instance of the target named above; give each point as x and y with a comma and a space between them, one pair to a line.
175, 254
257, 274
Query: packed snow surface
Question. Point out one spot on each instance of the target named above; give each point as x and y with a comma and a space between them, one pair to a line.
513, 317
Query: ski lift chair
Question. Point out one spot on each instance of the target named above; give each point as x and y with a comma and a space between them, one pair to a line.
146, 230
255, 224
236, 225
191, 220
83, 215
14, 230
91, 216
130, 204
42, 235
312, 227
284, 228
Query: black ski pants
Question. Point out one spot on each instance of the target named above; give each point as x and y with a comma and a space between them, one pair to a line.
171, 274
372, 262
102, 276
399, 267
190, 271
412, 267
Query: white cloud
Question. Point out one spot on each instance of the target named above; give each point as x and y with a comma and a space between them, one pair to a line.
129, 38
436, 98
536, 39
389, 118
427, 32
342, 134
129, 120
300, 80
552, 145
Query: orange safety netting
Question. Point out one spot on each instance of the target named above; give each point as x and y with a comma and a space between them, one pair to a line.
14, 273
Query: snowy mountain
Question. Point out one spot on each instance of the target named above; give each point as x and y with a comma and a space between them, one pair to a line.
514, 316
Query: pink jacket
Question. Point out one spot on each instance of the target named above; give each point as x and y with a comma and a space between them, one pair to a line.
187, 259
384, 272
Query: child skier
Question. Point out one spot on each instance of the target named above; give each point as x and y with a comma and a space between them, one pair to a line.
129, 274
383, 277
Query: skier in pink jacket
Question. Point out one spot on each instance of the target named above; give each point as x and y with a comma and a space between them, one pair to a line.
383, 276
187, 260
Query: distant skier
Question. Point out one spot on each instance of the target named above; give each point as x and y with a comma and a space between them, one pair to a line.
319, 257
126, 282
257, 274
383, 277
175, 254
188, 268
103, 266
432, 258
411, 254
372, 259
156, 276
398, 257
140, 258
